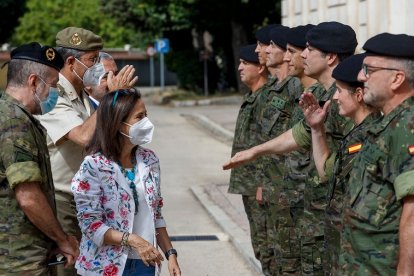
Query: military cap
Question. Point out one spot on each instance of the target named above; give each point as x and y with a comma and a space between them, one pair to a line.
348, 70
278, 36
332, 37
78, 39
38, 53
263, 34
393, 45
248, 53
296, 36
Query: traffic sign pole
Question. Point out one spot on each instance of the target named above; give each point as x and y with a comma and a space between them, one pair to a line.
162, 71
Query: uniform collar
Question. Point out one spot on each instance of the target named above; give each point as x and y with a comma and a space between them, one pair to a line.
67, 87
386, 120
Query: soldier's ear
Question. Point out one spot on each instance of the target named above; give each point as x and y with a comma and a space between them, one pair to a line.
31, 81
359, 93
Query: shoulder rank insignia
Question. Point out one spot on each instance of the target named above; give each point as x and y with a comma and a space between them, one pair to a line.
354, 148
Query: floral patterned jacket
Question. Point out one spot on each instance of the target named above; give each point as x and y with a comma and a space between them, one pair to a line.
104, 200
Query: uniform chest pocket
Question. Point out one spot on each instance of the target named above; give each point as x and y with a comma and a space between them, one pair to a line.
275, 120
370, 196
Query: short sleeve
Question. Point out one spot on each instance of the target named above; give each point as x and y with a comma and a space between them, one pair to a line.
404, 185
19, 152
62, 119
301, 135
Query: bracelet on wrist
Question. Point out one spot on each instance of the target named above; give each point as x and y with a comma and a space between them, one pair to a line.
170, 252
124, 239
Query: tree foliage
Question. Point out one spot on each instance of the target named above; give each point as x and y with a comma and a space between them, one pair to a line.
44, 18
231, 22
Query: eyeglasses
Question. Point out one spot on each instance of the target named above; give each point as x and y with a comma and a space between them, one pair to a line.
123, 92
368, 69
48, 84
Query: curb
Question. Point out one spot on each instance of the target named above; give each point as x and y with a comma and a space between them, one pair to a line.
236, 235
214, 128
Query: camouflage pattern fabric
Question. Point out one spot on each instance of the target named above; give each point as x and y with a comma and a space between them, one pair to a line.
381, 176
275, 112
258, 216
298, 165
313, 219
350, 146
242, 180
24, 158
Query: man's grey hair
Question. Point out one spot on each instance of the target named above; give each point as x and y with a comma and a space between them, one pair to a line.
105, 56
408, 67
19, 71
67, 52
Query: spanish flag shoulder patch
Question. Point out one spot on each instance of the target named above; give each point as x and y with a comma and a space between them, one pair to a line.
411, 149
357, 147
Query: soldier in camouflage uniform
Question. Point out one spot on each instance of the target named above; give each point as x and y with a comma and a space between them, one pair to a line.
337, 166
29, 230
328, 44
275, 106
297, 163
378, 233
242, 180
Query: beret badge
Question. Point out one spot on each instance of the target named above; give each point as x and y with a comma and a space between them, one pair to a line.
75, 39
50, 54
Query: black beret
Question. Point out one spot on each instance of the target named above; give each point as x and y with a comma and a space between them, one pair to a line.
79, 39
332, 37
248, 53
297, 36
393, 45
278, 35
38, 53
263, 34
348, 70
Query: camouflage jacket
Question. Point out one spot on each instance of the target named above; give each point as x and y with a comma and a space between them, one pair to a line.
298, 164
315, 192
350, 146
242, 179
382, 175
274, 114
24, 157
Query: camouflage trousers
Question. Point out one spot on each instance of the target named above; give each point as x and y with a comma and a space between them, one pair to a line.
288, 241
262, 233
332, 250
312, 245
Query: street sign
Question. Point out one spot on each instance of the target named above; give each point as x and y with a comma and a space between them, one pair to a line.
151, 51
162, 45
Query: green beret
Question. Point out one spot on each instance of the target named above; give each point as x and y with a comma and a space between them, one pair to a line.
79, 39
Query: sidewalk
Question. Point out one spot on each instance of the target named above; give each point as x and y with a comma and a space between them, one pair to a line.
226, 209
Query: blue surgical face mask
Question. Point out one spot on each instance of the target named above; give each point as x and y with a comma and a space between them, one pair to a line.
50, 102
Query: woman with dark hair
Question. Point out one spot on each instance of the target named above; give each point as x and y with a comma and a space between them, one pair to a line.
117, 194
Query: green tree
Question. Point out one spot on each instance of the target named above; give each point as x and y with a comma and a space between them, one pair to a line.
44, 18
232, 24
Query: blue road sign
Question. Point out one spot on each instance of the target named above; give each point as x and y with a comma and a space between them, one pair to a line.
162, 45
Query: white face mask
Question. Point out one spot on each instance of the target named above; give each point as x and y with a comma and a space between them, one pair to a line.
141, 132
93, 75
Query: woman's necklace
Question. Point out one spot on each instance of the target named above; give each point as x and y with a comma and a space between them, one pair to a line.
130, 176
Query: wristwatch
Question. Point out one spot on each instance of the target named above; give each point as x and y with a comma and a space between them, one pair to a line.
169, 252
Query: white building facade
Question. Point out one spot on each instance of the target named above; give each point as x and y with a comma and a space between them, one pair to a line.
366, 17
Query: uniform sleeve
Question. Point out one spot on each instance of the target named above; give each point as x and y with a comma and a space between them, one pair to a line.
61, 119
19, 153
404, 185
87, 193
330, 165
301, 135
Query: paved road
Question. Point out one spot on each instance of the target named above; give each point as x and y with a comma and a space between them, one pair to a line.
191, 159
